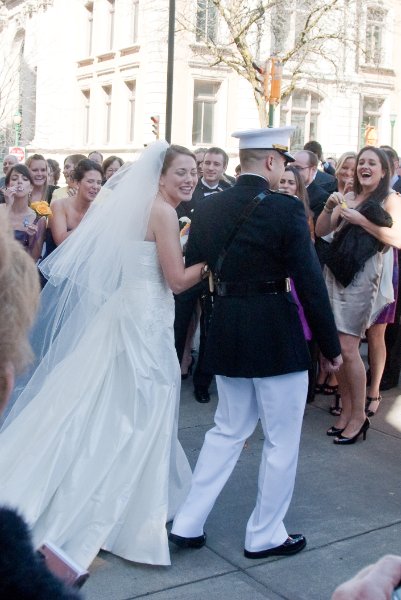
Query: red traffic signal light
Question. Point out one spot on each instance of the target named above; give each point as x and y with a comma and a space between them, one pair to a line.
155, 125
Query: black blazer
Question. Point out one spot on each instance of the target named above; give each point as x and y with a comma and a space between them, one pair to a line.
261, 336
326, 181
397, 185
317, 198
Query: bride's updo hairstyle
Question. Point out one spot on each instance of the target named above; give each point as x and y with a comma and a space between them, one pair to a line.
172, 152
19, 298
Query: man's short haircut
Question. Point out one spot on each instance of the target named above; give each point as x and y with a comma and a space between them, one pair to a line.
314, 147
249, 156
216, 150
312, 158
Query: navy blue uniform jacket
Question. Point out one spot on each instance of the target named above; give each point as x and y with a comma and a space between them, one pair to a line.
261, 336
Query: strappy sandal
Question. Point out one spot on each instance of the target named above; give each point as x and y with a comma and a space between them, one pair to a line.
369, 400
320, 387
329, 390
336, 409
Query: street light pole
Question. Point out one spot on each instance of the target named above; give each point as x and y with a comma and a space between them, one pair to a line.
393, 119
17, 120
170, 69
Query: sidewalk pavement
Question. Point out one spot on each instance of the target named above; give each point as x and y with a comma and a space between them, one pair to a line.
347, 502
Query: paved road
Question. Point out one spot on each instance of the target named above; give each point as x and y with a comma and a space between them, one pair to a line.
347, 502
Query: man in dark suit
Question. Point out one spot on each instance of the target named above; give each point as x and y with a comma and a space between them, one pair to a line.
306, 163
255, 342
325, 178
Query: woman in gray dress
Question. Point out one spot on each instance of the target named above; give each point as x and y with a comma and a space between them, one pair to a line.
356, 305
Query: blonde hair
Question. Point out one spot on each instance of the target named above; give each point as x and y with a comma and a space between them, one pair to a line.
19, 298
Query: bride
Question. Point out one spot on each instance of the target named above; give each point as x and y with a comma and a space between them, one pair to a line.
89, 452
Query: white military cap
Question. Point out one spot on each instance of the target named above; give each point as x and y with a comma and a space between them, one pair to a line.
268, 138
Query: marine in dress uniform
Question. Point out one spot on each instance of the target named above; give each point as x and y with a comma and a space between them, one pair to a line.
255, 342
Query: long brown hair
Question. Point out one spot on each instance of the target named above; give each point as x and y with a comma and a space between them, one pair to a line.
382, 190
301, 192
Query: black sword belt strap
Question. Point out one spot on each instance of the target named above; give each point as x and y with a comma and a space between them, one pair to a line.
244, 216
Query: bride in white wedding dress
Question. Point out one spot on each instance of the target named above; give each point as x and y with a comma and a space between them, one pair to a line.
89, 452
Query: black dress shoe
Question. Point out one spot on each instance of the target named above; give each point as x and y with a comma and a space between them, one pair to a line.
188, 542
293, 544
202, 394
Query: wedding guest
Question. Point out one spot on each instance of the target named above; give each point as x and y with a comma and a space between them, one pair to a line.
356, 305
29, 228
96, 156
345, 172
8, 161
54, 172
111, 165
70, 162
41, 191
68, 212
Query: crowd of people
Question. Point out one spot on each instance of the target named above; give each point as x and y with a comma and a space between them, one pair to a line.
288, 266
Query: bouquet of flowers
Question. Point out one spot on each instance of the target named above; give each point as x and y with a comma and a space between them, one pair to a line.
41, 208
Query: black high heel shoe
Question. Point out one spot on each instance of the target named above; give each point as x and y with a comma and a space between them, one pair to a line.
334, 431
190, 369
342, 440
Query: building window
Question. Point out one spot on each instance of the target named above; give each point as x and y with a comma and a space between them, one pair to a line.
89, 36
301, 111
375, 22
206, 21
86, 115
371, 112
107, 89
134, 21
111, 23
205, 98
131, 88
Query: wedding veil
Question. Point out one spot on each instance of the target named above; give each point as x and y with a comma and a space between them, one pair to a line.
85, 270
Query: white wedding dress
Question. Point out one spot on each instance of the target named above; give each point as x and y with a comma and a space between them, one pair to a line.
93, 460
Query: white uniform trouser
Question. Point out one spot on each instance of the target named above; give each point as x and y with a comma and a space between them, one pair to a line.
279, 403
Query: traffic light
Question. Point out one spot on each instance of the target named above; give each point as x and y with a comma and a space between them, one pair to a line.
263, 76
269, 75
155, 125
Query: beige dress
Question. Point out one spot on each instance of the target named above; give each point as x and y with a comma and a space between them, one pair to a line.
356, 306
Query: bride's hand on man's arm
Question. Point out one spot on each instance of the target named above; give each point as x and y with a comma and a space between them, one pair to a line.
164, 225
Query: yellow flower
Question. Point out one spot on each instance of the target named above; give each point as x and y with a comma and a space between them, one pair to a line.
41, 208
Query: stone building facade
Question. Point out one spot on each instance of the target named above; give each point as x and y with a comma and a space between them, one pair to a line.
88, 75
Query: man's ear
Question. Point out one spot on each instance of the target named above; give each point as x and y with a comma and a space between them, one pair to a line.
269, 161
7, 379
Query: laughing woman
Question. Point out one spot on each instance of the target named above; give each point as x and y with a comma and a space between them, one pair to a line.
372, 212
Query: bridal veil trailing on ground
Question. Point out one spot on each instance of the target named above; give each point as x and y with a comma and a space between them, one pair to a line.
90, 453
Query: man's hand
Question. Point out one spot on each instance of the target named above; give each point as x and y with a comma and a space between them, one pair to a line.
332, 365
375, 582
